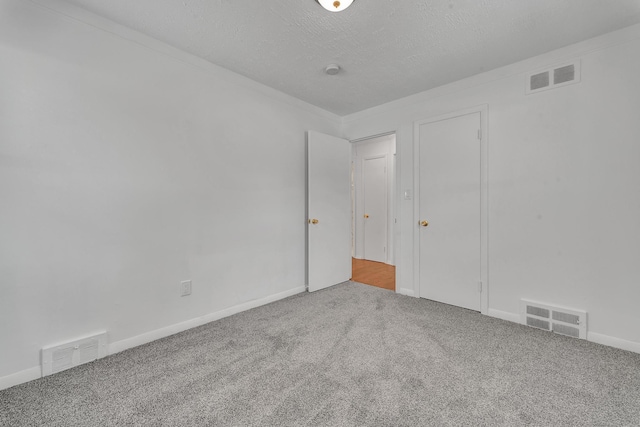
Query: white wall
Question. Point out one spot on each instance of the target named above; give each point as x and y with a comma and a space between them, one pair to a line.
564, 182
377, 146
127, 166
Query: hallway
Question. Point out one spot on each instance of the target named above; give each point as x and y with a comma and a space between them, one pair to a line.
374, 273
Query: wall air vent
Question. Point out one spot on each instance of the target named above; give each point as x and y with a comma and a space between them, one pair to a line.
539, 81
73, 353
560, 320
553, 77
564, 74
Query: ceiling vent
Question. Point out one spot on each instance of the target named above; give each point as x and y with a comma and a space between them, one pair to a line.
554, 77
560, 320
73, 353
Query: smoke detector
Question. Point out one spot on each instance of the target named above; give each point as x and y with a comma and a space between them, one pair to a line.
332, 69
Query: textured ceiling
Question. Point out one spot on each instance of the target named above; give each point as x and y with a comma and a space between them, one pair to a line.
387, 49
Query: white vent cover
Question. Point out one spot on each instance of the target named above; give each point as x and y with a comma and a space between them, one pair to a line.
560, 320
73, 353
551, 78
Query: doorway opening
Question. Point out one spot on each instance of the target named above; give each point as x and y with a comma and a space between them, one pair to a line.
372, 211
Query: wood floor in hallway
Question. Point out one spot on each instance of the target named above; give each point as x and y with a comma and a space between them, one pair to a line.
373, 273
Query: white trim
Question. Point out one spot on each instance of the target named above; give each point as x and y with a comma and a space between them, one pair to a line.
504, 315
20, 377
613, 342
416, 209
397, 214
367, 138
484, 207
352, 188
484, 204
147, 337
405, 291
134, 37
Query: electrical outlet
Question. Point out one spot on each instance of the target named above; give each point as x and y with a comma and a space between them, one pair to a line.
185, 288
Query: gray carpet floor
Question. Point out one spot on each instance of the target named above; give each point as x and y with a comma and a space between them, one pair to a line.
350, 355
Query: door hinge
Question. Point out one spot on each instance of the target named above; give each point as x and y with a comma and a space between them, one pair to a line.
480, 134
479, 286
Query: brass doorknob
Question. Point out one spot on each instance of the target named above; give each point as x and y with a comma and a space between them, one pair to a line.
424, 223
313, 221
366, 215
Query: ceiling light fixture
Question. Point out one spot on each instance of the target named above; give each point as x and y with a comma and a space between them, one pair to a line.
335, 5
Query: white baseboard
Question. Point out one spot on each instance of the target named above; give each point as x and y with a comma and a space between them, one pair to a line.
504, 315
406, 291
118, 346
157, 334
613, 342
20, 377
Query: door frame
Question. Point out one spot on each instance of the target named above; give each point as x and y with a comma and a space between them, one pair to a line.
484, 212
393, 204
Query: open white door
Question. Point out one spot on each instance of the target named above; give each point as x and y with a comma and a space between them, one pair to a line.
329, 209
